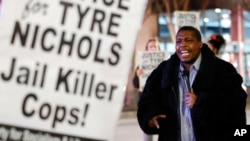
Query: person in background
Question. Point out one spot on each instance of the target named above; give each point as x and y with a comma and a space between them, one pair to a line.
151, 45
192, 96
216, 42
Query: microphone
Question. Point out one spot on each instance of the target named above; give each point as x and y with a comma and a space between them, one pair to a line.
185, 75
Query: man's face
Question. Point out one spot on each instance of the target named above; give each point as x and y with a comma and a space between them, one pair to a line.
187, 46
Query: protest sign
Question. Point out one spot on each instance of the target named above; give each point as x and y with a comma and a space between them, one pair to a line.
1, 9
147, 62
187, 18
64, 66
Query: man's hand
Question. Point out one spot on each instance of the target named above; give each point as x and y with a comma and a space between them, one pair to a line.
190, 99
154, 123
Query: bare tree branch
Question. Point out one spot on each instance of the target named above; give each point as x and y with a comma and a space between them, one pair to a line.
186, 5
175, 3
203, 7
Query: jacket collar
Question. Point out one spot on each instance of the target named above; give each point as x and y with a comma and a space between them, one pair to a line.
203, 77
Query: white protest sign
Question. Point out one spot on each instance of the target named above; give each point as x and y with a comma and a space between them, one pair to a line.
148, 61
186, 18
1, 9
64, 66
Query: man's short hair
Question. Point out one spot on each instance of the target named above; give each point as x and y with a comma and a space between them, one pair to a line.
193, 29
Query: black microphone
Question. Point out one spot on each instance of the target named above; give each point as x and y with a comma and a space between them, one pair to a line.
185, 75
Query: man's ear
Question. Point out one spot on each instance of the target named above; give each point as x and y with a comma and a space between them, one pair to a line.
201, 44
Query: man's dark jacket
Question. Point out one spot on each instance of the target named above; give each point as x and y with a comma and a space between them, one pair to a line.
220, 104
